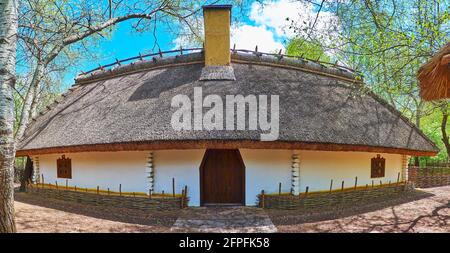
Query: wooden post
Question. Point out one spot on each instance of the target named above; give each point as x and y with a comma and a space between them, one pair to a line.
262, 204
134, 195
185, 190
98, 189
120, 189
342, 186
108, 190
149, 193
331, 185
67, 184
56, 183
162, 193
279, 188
43, 180
356, 182
381, 183
372, 184
306, 192
398, 178
182, 198
75, 188
173, 187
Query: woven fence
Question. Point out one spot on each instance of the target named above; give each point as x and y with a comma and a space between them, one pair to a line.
429, 176
320, 200
139, 201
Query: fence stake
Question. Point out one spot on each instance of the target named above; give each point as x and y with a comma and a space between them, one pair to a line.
173, 187
120, 189
381, 183
306, 191
342, 186
356, 182
108, 190
331, 185
162, 193
98, 189
182, 198
75, 188
398, 178
43, 180
134, 195
149, 193
185, 190
67, 184
262, 199
56, 183
279, 188
372, 184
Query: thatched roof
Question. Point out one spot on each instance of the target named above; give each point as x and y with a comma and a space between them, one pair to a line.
128, 108
434, 76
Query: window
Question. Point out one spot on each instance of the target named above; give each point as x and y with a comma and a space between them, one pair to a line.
377, 167
64, 167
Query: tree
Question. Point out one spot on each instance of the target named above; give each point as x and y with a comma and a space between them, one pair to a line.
8, 38
300, 47
53, 34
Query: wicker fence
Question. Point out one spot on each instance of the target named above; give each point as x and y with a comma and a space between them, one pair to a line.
429, 176
321, 200
99, 197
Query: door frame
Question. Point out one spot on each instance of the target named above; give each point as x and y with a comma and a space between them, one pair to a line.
202, 169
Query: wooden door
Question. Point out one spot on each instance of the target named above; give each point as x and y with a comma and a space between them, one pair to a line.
222, 177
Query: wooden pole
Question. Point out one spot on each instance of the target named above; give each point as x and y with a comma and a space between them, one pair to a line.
75, 188
162, 193
98, 189
331, 185
398, 178
372, 184
279, 188
43, 180
381, 183
185, 190
356, 182
120, 189
108, 190
149, 193
56, 183
173, 187
134, 195
306, 192
67, 184
182, 198
342, 186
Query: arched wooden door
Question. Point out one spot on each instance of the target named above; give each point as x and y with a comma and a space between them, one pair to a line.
222, 177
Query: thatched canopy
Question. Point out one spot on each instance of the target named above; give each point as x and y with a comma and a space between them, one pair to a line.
129, 108
434, 76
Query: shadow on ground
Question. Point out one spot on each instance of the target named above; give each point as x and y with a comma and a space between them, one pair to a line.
164, 218
292, 217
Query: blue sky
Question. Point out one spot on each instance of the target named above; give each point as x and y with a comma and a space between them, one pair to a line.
265, 26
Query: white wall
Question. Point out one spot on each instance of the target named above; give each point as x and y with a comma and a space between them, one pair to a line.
264, 170
103, 169
184, 166
318, 168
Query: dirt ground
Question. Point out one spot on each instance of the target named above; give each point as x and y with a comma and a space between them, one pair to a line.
37, 214
426, 211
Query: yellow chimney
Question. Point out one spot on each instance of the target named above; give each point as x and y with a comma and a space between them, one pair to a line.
217, 20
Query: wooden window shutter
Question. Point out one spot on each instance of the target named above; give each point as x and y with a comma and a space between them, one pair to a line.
377, 167
64, 167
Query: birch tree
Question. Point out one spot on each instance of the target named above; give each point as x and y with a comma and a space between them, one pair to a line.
8, 38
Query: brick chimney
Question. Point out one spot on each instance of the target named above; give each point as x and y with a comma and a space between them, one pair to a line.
217, 19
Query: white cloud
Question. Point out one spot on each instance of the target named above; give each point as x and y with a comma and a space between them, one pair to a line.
271, 26
247, 37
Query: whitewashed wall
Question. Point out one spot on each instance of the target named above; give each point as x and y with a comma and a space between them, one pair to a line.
184, 166
318, 168
103, 169
265, 169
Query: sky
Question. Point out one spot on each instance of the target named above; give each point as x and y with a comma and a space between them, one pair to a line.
263, 25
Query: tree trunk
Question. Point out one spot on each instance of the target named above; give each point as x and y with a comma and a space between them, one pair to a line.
26, 175
418, 118
444, 110
27, 107
8, 40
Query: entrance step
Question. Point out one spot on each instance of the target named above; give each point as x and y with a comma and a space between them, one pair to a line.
219, 219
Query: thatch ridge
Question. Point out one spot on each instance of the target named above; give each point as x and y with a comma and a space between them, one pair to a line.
434, 76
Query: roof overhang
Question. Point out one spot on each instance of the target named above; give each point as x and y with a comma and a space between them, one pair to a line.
221, 144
